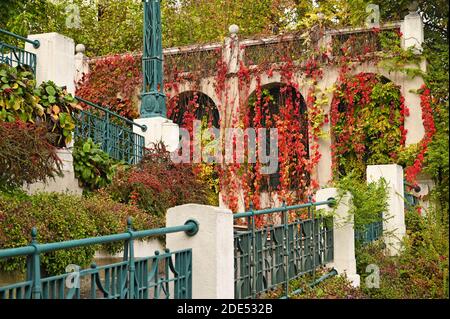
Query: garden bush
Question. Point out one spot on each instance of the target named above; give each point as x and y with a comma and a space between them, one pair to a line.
93, 167
25, 155
420, 271
59, 217
369, 200
49, 103
156, 184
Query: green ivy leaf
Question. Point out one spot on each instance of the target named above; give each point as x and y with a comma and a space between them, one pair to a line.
50, 90
86, 147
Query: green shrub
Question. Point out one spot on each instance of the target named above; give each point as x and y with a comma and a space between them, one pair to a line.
420, 271
369, 200
59, 217
93, 167
49, 103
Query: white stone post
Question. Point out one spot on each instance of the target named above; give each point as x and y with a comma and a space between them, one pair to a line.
412, 30
212, 248
56, 62
55, 59
159, 129
413, 37
231, 50
344, 235
81, 62
394, 228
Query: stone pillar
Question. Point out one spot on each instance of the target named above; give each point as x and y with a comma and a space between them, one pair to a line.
413, 37
394, 228
159, 129
212, 248
56, 62
55, 59
344, 235
412, 30
81, 62
231, 50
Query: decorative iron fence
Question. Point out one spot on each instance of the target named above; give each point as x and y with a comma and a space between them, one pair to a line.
15, 56
271, 256
113, 132
132, 278
371, 232
362, 41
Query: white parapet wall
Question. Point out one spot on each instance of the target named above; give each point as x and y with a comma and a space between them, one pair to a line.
394, 229
212, 248
344, 260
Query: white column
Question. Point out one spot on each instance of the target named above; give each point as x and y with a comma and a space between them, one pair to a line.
212, 248
159, 129
344, 260
81, 62
231, 50
412, 30
394, 228
55, 59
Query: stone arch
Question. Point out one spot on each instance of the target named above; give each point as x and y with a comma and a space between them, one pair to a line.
206, 107
362, 148
281, 91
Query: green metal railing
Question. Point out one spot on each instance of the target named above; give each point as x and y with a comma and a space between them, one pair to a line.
371, 232
132, 278
15, 56
112, 131
269, 257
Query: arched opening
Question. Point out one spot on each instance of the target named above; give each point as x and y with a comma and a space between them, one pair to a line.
367, 123
193, 105
185, 108
282, 107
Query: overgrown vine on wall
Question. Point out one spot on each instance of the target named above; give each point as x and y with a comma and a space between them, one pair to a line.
367, 112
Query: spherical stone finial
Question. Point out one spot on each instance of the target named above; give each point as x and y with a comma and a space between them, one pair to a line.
413, 7
233, 29
80, 48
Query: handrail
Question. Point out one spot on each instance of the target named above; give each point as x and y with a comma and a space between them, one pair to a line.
142, 127
330, 202
190, 227
36, 44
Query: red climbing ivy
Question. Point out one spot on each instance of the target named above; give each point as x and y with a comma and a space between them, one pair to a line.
430, 129
367, 112
114, 82
367, 120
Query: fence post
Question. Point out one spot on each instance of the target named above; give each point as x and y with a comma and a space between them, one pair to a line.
55, 59
343, 234
212, 248
394, 228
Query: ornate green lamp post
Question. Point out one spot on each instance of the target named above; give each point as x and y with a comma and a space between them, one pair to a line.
153, 98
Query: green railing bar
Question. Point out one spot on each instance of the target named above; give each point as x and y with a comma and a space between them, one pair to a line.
330, 202
36, 44
109, 112
191, 227
330, 274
